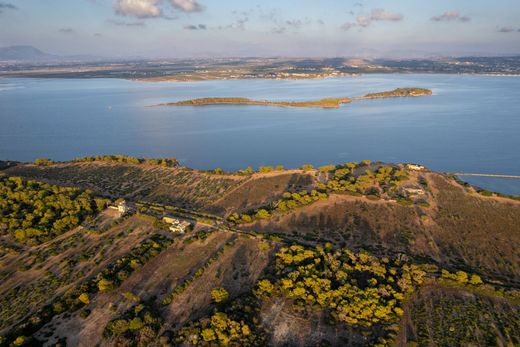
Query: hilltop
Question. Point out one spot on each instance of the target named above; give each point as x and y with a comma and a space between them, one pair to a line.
353, 254
23, 53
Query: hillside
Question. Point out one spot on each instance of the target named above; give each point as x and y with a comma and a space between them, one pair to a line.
357, 254
23, 53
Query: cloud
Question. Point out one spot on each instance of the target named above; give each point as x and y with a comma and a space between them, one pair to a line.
195, 27
187, 5
98, 34
153, 8
363, 21
451, 16
7, 6
125, 24
377, 14
347, 26
239, 24
298, 23
138, 8
66, 30
506, 29
382, 14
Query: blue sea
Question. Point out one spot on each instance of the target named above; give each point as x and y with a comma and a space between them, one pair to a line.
470, 124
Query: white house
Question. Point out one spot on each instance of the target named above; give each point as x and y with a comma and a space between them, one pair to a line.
123, 207
176, 226
415, 167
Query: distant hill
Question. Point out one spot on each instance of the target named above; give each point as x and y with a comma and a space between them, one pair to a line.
25, 53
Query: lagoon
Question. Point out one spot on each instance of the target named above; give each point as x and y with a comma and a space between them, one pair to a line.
470, 124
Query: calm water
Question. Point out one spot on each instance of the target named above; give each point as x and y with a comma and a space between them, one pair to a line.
471, 124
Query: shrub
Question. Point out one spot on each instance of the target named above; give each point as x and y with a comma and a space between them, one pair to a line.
219, 295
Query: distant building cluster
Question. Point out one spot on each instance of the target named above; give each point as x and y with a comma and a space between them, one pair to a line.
176, 225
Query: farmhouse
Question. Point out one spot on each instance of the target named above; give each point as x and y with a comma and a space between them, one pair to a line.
176, 226
122, 207
415, 167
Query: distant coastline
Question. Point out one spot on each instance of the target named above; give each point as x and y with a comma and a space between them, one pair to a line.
321, 103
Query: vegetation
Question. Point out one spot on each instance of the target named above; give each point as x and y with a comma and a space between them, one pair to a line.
399, 92
345, 178
324, 103
219, 295
233, 325
125, 159
358, 289
288, 202
34, 212
447, 317
138, 326
80, 295
179, 186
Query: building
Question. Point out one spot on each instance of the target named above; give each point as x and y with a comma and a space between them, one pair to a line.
176, 226
123, 207
414, 191
415, 167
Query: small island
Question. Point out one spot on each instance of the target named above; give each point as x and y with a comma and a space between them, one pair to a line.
321, 103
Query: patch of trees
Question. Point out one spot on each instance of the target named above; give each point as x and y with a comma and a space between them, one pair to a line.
288, 202
138, 326
125, 159
232, 324
35, 212
345, 179
43, 162
357, 289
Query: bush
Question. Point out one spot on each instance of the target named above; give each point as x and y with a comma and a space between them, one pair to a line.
219, 295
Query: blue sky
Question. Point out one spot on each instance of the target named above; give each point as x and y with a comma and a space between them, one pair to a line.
318, 28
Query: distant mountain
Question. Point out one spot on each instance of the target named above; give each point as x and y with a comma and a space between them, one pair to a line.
24, 53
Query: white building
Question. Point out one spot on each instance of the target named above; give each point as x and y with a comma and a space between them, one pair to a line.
176, 226
123, 207
415, 167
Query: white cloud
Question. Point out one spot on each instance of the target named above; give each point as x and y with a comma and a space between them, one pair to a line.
381, 14
187, 5
153, 8
451, 16
378, 14
363, 21
138, 8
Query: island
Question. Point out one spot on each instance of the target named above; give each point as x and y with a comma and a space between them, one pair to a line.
321, 103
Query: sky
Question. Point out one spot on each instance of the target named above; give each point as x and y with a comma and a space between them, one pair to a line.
237, 28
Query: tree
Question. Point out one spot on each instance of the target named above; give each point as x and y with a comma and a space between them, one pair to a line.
265, 169
475, 280
105, 285
262, 214
219, 295
208, 335
136, 324
84, 298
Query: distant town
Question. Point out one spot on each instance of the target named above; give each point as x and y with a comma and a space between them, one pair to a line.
173, 70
